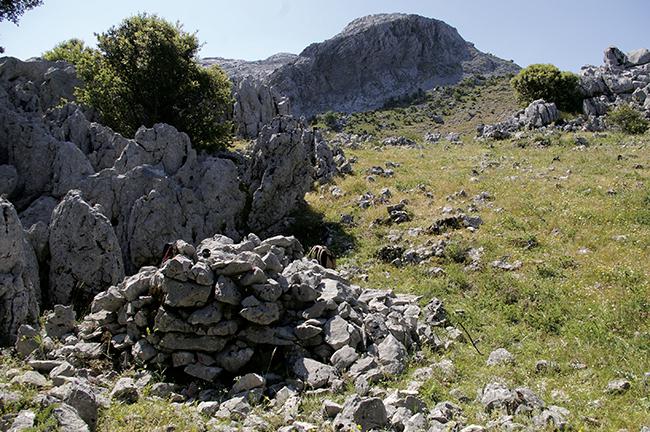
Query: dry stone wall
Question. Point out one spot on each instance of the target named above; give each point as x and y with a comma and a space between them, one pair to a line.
224, 309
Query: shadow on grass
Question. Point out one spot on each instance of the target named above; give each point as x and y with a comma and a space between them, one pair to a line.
311, 229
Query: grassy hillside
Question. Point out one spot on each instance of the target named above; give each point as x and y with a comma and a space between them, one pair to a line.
578, 220
573, 219
463, 107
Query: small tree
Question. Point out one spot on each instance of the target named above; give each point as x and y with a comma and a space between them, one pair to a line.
545, 81
143, 72
11, 10
628, 120
72, 51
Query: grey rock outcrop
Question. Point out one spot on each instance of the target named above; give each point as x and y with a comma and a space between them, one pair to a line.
20, 291
280, 173
623, 79
256, 104
257, 69
536, 115
141, 192
379, 57
85, 255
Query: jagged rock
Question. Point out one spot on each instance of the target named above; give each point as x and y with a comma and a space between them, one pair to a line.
365, 413
88, 350
27, 340
432, 137
235, 408
23, 421
638, 57
143, 351
8, 179
39, 211
398, 141
618, 386
280, 172
256, 104
248, 382
125, 391
60, 321
331, 408
59, 374
31, 379
262, 313
234, 358
344, 357
555, 417
152, 189
615, 57
496, 396
338, 332
539, 113
159, 145
226, 291
596, 106
610, 85
86, 256
314, 373
69, 419
206, 373
20, 292
392, 354
185, 294
82, 399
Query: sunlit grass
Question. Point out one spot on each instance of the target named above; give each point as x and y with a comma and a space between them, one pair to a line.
582, 294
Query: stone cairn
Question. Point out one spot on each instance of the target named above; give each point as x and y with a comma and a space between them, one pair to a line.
225, 309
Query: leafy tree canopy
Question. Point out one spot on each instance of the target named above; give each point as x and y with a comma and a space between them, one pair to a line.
11, 10
546, 81
145, 71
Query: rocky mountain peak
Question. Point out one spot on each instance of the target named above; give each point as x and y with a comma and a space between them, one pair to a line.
379, 57
360, 24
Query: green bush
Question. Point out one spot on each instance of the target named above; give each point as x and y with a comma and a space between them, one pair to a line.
144, 72
628, 120
72, 51
545, 81
331, 119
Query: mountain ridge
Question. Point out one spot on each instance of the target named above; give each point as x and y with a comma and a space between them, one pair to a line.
373, 59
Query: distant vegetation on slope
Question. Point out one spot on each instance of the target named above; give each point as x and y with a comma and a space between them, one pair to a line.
462, 108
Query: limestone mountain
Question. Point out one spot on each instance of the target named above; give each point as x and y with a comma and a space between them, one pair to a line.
375, 58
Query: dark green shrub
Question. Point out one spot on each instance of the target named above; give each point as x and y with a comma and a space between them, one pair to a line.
628, 120
10, 10
144, 72
331, 120
545, 81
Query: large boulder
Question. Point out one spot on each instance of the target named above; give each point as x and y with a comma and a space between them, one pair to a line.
638, 57
539, 113
280, 173
19, 282
614, 57
85, 254
256, 104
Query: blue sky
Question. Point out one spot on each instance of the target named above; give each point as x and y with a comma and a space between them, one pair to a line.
568, 33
